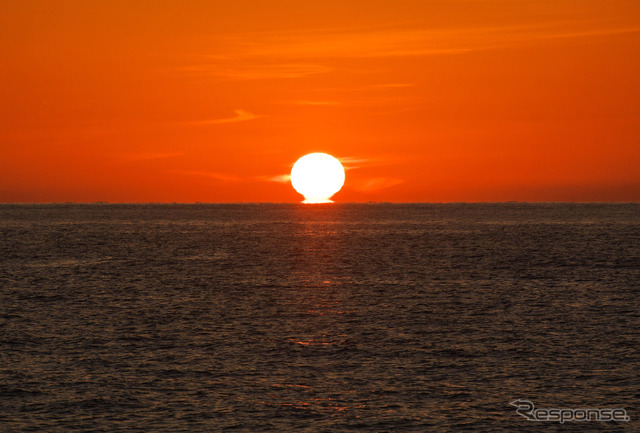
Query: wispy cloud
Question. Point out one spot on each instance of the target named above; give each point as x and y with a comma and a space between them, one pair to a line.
228, 177
294, 54
353, 162
224, 177
371, 43
375, 183
145, 156
588, 33
348, 43
281, 178
240, 116
392, 85
244, 66
315, 102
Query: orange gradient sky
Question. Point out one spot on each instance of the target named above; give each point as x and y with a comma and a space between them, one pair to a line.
422, 101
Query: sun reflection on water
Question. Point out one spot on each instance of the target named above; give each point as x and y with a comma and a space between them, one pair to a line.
313, 329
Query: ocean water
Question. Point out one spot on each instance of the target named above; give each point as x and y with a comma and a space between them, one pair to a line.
340, 317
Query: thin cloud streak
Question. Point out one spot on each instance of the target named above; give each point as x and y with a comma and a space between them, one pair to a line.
352, 162
412, 42
240, 116
224, 177
146, 156
239, 68
281, 178
392, 85
315, 102
376, 184
282, 55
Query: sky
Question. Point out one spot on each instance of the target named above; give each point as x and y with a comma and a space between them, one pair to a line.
422, 101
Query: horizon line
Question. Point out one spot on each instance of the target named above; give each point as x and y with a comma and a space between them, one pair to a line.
311, 204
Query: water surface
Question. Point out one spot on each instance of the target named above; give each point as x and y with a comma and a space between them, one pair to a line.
266, 317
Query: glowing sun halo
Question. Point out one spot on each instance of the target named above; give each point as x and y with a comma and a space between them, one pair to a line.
317, 176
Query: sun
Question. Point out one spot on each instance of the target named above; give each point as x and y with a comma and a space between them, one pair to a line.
317, 176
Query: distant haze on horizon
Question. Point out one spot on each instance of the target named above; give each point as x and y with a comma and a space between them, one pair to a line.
422, 101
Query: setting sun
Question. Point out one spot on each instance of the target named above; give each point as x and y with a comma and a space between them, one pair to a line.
317, 176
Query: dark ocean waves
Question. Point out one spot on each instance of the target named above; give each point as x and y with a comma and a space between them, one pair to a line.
316, 318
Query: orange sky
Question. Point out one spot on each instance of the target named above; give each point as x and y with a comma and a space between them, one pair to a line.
422, 101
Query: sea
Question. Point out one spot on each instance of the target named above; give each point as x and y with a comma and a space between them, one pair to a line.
319, 318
